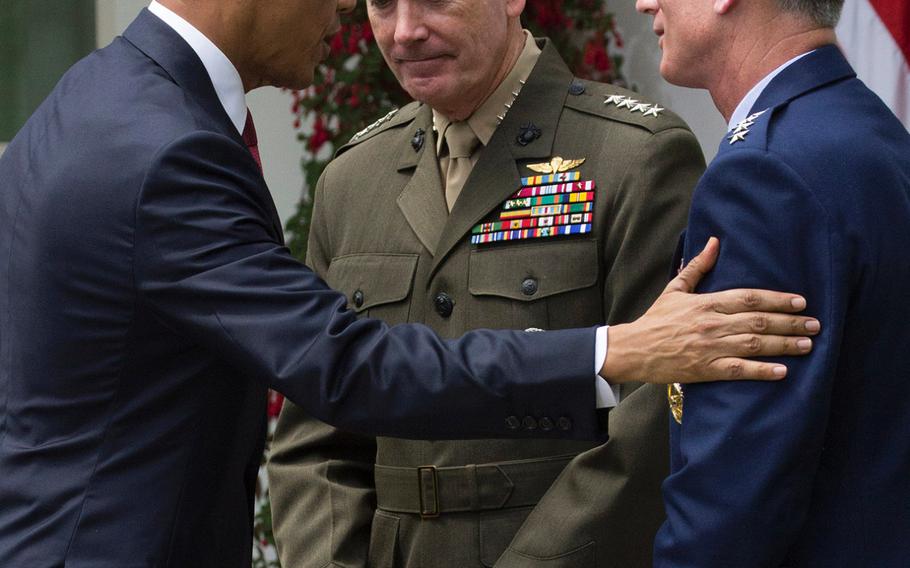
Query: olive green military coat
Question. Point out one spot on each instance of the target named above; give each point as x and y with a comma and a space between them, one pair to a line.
382, 235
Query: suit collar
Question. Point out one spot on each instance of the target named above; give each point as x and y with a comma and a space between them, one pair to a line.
172, 53
819, 68
496, 174
743, 108
224, 76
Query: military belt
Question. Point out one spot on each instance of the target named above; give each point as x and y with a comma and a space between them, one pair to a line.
430, 491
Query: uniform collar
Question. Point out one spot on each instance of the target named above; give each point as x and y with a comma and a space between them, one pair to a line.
743, 109
224, 76
818, 68
486, 119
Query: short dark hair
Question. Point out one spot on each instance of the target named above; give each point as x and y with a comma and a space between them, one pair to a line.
824, 13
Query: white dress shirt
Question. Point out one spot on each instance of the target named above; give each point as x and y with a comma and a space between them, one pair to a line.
229, 88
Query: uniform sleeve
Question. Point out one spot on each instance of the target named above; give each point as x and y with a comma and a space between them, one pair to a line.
610, 495
744, 457
210, 266
320, 478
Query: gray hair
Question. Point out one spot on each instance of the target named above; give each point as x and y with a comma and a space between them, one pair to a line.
824, 13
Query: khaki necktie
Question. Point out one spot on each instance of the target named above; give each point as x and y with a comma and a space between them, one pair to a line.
461, 142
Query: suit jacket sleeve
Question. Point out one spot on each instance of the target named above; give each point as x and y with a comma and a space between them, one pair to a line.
609, 495
212, 268
745, 454
320, 478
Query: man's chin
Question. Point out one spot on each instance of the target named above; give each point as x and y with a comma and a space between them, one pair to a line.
428, 90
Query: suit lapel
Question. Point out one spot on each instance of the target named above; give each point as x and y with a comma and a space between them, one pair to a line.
422, 201
496, 175
165, 47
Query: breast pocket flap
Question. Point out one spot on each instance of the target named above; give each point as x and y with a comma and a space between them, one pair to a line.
370, 280
532, 272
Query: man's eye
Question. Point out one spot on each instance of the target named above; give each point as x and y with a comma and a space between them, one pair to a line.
380, 3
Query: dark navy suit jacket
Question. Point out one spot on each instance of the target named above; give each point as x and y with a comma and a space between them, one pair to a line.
147, 303
813, 471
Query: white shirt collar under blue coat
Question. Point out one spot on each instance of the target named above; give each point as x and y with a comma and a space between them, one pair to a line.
745, 105
224, 76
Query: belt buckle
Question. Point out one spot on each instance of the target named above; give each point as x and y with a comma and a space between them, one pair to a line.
429, 473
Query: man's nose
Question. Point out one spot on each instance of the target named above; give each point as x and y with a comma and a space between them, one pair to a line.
409, 24
646, 6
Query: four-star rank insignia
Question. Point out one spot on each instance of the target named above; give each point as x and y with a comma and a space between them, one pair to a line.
622, 101
739, 133
554, 204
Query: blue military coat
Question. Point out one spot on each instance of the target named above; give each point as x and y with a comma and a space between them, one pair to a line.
814, 198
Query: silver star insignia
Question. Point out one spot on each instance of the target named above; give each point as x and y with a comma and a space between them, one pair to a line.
738, 136
744, 125
627, 103
641, 107
653, 111
614, 99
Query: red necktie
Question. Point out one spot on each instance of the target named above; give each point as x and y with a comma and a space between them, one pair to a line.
250, 139
252, 144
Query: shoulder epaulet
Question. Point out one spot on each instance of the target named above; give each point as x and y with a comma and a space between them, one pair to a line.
391, 120
621, 105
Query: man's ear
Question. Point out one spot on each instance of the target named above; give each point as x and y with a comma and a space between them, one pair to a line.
721, 7
514, 8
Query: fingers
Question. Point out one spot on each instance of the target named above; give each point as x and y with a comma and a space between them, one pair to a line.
733, 369
689, 277
760, 323
755, 345
750, 300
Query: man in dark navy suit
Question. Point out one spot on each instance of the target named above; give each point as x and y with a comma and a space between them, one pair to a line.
147, 302
810, 191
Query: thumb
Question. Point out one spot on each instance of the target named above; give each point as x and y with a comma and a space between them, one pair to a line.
689, 277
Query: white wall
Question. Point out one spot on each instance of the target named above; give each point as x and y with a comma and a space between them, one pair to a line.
642, 70
271, 109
